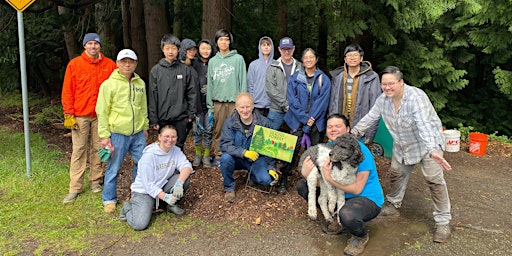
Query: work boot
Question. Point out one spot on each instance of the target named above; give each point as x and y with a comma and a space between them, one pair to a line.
206, 162
230, 196
443, 233
95, 187
176, 210
332, 228
109, 208
281, 189
356, 245
70, 198
197, 161
389, 210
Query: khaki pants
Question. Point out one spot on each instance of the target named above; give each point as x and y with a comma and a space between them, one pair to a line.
85, 140
221, 111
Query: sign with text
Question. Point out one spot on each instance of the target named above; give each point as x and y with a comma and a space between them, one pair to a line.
272, 143
20, 5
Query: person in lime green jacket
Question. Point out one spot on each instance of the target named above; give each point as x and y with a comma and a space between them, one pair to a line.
122, 121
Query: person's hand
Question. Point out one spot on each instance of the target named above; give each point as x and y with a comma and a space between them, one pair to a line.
306, 141
70, 122
327, 169
311, 121
170, 199
177, 190
104, 153
253, 155
210, 119
204, 88
439, 159
156, 127
307, 166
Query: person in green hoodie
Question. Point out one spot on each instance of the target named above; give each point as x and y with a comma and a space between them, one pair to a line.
122, 121
227, 77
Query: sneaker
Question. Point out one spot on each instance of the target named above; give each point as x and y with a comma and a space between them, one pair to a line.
176, 210
356, 245
109, 208
122, 215
389, 210
206, 162
230, 196
70, 198
281, 189
197, 161
275, 177
443, 233
96, 188
215, 163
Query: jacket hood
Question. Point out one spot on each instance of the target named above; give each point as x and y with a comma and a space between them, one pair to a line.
230, 53
365, 67
185, 44
116, 75
155, 149
260, 53
166, 64
212, 53
237, 123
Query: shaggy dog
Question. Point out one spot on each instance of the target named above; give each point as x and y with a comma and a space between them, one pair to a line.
345, 155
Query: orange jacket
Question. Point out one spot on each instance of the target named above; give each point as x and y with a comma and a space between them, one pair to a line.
82, 81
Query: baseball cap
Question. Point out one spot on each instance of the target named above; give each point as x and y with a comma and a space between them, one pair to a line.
91, 37
126, 53
286, 42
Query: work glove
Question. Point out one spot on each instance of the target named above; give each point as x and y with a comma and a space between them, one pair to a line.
253, 155
210, 119
198, 127
204, 88
177, 190
70, 122
305, 143
170, 199
105, 153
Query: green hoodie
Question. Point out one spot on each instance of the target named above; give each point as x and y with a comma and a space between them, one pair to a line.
122, 106
226, 78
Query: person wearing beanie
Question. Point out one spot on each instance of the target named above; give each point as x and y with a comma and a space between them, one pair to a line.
123, 122
82, 80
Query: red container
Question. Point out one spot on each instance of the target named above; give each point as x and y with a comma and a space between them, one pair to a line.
477, 143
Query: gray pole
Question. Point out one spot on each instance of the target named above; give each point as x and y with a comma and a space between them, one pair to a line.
24, 93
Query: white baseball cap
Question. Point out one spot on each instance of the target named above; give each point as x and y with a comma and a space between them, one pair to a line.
126, 53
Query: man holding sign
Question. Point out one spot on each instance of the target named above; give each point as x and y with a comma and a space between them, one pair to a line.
235, 142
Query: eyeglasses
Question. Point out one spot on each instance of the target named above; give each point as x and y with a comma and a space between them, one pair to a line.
389, 85
352, 56
286, 49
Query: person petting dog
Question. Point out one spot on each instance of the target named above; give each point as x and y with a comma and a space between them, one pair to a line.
364, 197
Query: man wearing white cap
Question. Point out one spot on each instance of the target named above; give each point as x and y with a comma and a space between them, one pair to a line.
84, 75
122, 121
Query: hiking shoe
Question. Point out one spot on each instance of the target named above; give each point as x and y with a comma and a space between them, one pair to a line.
122, 215
70, 198
215, 163
389, 210
96, 188
356, 245
197, 161
230, 196
332, 228
176, 210
206, 162
281, 189
443, 233
109, 208
275, 177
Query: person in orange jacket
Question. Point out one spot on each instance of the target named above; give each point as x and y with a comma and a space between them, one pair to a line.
84, 75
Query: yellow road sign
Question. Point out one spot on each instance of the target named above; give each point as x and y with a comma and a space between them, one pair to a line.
20, 5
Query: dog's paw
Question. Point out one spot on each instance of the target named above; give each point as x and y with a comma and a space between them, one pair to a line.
312, 214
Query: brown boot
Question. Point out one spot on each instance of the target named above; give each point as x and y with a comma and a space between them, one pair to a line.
389, 210
442, 234
230, 196
356, 245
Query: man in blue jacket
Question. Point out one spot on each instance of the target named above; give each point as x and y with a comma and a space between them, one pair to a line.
235, 141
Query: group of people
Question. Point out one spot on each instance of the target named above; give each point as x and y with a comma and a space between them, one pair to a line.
205, 88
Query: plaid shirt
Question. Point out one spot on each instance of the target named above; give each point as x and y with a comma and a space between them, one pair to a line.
416, 129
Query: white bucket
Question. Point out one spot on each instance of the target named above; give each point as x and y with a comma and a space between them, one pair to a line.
452, 140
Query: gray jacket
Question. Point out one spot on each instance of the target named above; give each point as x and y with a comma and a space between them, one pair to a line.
275, 84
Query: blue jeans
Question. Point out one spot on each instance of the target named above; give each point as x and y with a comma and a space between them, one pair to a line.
276, 119
207, 134
122, 144
259, 172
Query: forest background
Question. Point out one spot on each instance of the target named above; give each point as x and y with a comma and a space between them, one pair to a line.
458, 51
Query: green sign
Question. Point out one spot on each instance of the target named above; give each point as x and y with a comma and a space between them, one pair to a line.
272, 143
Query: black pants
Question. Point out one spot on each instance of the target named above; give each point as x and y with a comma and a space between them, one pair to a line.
315, 136
181, 130
353, 215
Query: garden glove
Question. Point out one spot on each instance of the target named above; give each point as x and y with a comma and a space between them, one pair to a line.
305, 143
177, 190
70, 122
253, 155
210, 119
170, 199
105, 153
198, 127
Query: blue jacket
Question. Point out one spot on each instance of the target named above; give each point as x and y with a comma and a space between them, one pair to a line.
235, 141
297, 94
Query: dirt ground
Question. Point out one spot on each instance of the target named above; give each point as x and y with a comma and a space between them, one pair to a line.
479, 188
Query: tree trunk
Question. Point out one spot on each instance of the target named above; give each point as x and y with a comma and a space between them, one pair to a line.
103, 17
216, 15
322, 37
282, 24
138, 37
125, 15
157, 25
72, 46
177, 27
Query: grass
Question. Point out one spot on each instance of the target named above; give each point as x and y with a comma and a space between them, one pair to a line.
35, 221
